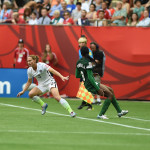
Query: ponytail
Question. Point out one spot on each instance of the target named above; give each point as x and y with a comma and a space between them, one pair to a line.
34, 57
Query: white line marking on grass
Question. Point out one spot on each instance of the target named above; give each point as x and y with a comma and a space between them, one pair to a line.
95, 120
60, 132
136, 119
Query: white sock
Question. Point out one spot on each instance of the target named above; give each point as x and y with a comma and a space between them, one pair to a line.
65, 104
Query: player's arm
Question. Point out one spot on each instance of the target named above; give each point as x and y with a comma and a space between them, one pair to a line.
25, 88
53, 71
78, 74
91, 79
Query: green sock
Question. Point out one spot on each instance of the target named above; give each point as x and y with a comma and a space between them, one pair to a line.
105, 106
66, 105
38, 100
116, 104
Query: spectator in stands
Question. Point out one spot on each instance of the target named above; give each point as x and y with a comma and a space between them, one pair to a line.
45, 20
64, 9
139, 9
71, 6
83, 21
16, 19
6, 12
55, 7
26, 14
76, 13
98, 4
47, 5
101, 21
49, 57
20, 55
126, 5
134, 20
107, 12
33, 20
146, 21
38, 9
67, 19
85, 5
92, 14
57, 20
119, 16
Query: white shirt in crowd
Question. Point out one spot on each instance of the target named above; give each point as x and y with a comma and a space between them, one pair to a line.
33, 22
42, 74
144, 22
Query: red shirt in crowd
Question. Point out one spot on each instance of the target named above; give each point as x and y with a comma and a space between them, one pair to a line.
107, 14
21, 57
69, 20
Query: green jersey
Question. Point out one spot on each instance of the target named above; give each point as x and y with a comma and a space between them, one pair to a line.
84, 70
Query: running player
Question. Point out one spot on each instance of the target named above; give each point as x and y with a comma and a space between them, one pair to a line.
46, 83
84, 69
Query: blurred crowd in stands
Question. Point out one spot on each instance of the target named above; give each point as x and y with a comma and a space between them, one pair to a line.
76, 12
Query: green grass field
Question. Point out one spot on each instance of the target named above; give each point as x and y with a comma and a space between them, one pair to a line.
22, 127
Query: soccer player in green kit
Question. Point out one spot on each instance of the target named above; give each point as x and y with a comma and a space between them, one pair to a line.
84, 69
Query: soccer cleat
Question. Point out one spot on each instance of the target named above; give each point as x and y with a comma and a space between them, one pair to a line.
44, 107
98, 103
102, 117
123, 112
90, 107
73, 114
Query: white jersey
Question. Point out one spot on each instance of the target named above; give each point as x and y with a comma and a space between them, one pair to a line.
42, 74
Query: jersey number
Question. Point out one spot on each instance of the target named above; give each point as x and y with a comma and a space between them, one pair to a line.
82, 74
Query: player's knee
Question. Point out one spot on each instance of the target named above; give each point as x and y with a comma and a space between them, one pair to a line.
57, 98
31, 94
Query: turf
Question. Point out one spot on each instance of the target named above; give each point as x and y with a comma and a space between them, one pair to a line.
27, 129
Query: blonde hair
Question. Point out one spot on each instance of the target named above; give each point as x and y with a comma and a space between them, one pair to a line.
34, 57
82, 40
56, 12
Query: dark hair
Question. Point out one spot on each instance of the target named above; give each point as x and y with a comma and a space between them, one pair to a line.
44, 8
137, 1
67, 13
34, 13
24, 14
85, 53
83, 36
97, 46
136, 15
78, 3
34, 57
94, 6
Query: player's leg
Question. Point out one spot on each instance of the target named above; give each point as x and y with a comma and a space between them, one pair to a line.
34, 94
107, 102
116, 104
98, 99
54, 91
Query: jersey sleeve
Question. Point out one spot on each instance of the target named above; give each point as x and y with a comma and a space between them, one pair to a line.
46, 67
29, 73
78, 75
92, 80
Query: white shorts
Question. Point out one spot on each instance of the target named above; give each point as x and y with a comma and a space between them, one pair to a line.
47, 88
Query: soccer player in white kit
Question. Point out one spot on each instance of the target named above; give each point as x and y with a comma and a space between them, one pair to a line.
46, 83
